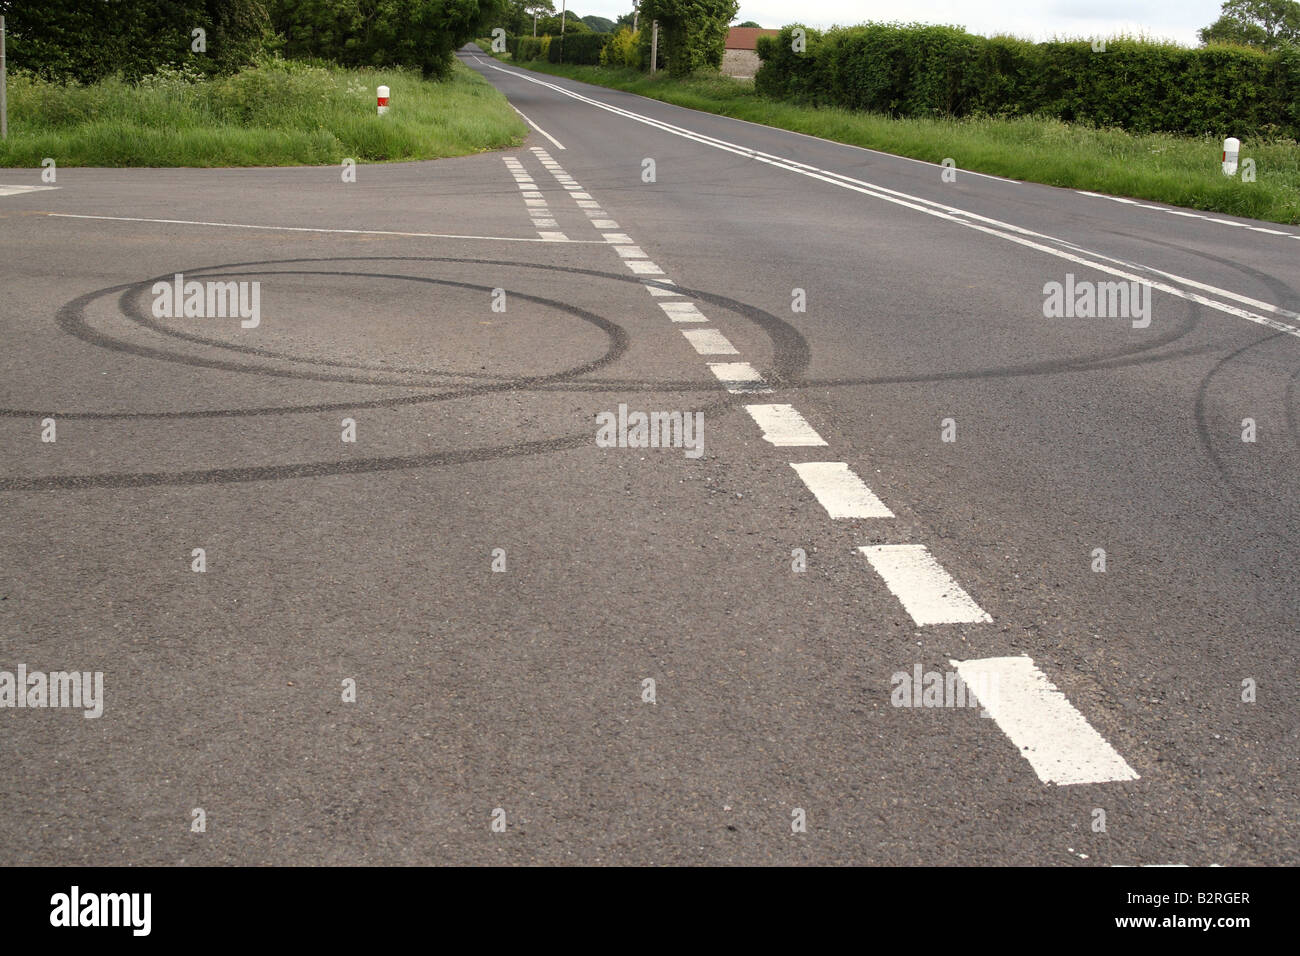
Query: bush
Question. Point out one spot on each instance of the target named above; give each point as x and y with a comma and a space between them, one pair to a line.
622, 50
919, 70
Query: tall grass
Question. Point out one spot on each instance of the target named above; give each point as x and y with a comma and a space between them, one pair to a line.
278, 113
1178, 170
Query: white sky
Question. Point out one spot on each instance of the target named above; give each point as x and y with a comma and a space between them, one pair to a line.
1166, 19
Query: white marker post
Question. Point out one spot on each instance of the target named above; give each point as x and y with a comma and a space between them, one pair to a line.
654, 47
1231, 149
383, 100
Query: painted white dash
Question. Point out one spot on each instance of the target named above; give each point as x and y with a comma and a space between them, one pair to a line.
783, 426
922, 586
740, 378
554, 236
643, 267
679, 311
709, 342
617, 237
1057, 740
17, 190
842, 493
545, 223
631, 252
604, 223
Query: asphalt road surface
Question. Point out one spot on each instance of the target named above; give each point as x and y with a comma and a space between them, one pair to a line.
476, 633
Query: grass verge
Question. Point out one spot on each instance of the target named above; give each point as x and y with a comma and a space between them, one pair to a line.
279, 113
1178, 170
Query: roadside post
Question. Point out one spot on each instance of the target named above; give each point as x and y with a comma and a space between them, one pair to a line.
1231, 150
383, 99
654, 47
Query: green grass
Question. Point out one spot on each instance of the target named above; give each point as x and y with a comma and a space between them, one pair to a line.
279, 113
1178, 170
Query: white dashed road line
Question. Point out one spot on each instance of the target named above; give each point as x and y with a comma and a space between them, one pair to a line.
740, 378
1058, 742
709, 342
679, 311
922, 586
842, 493
783, 426
1056, 739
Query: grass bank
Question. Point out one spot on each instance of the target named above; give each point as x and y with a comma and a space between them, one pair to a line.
1178, 170
279, 113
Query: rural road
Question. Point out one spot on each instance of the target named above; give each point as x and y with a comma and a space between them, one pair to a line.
684, 654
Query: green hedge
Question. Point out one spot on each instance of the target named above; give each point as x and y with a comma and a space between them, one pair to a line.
580, 48
920, 70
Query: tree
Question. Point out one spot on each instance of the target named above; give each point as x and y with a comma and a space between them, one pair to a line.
694, 32
75, 39
423, 33
752, 23
599, 24
1257, 23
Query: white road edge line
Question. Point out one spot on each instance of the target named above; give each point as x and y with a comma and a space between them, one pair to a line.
927, 592
1057, 740
842, 493
350, 232
558, 144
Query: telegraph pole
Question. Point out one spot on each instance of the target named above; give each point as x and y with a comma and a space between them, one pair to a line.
4, 102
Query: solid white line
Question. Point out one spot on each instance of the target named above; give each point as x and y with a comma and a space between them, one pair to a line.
842, 493
349, 232
1057, 740
783, 426
709, 342
922, 586
917, 203
740, 378
557, 143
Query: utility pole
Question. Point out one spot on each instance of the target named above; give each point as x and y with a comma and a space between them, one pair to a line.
636, 15
4, 102
563, 10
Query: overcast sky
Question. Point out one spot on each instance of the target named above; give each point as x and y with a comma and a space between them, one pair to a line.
1167, 19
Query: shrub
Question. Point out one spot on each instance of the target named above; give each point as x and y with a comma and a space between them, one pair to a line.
622, 49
